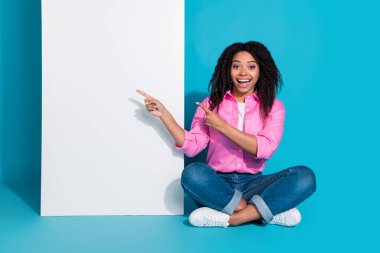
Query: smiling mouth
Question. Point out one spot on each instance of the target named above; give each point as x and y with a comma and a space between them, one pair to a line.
243, 80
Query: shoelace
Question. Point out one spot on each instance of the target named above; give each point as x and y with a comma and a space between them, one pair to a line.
279, 217
213, 221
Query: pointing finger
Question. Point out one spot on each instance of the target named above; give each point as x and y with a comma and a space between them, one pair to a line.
204, 108
143, 93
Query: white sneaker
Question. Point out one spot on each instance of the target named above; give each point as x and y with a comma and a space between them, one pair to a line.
288, 218
207, 217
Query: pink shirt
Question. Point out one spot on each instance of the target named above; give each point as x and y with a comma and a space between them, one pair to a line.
223, 154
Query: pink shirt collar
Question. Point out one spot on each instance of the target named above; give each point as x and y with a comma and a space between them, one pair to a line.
229, 95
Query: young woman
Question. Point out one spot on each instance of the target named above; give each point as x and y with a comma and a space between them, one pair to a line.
242, 123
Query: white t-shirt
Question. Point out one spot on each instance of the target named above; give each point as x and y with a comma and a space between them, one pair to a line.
241, 107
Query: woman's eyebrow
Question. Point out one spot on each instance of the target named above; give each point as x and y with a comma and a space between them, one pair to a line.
240, 61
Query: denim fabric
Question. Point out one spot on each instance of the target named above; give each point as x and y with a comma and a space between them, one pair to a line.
271, 194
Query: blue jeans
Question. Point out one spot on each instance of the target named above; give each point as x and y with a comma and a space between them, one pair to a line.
271, 194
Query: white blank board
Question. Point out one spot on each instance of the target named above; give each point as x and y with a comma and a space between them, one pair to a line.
102, 153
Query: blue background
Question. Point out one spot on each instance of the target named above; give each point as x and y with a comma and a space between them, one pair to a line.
327, 52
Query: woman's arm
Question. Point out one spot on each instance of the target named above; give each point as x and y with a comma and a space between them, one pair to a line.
264, 143
156, 108
246, 141
174, 129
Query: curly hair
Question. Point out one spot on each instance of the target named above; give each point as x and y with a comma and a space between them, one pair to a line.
267, 85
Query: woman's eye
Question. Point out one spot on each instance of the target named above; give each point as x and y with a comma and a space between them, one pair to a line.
235, 66
252, 67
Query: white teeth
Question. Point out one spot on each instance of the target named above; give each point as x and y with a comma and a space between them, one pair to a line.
243, 80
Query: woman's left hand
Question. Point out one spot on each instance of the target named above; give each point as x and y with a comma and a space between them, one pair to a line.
212, 119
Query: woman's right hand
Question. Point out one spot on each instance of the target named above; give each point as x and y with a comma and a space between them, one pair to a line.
153, 106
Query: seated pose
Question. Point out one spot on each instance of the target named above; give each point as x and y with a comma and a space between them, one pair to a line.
242, 123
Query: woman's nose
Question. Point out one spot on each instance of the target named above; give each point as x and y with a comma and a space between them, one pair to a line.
243, 71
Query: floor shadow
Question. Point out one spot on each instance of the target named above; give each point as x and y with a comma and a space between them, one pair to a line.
173, 194
20, 96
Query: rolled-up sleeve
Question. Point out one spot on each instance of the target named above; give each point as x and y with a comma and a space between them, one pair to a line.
198, 137
268, 139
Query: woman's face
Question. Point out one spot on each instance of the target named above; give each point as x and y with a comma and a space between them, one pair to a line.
244, 74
